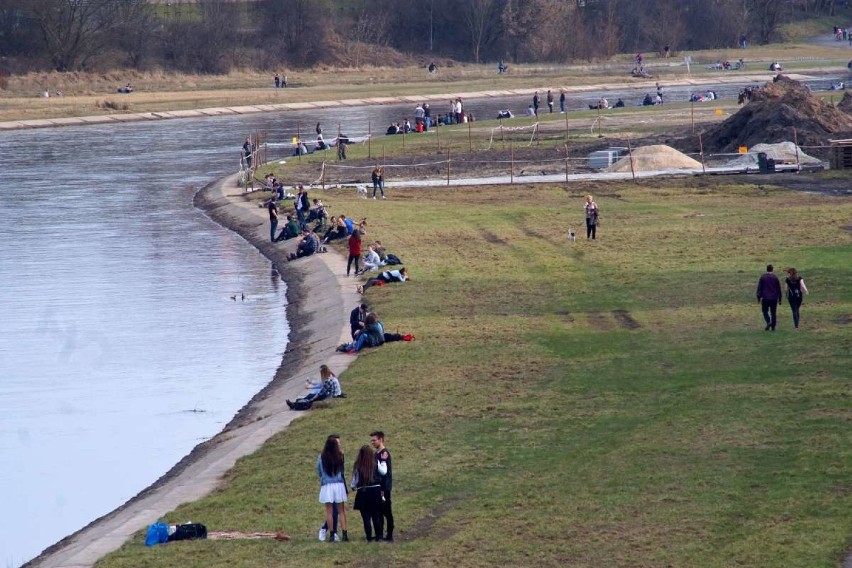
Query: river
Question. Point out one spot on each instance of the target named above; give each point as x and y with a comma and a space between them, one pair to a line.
126, 339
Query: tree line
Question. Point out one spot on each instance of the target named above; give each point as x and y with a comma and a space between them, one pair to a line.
214, 36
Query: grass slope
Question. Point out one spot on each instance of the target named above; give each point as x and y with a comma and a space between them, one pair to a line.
607, 403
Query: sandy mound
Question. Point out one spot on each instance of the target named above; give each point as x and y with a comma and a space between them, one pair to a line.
653, 158
772, 114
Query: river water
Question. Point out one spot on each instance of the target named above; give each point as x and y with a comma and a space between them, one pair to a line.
121, 347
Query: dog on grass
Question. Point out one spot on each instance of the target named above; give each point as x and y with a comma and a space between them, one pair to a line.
361, 191
572, 235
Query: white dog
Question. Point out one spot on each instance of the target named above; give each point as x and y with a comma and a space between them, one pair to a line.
572, 235
361, 191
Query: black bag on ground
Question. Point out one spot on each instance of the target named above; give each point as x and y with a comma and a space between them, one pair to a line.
189, 531
392, 260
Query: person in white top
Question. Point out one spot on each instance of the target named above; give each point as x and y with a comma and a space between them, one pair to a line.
372, 262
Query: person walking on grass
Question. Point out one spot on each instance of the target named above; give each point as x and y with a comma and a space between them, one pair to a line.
366, 481
550, 101
536, 102
591, 209
383, 457
562, 101
354, 252
769, 296
794, 286
332, 486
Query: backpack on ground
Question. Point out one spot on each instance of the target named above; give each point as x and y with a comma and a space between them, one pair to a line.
189, 531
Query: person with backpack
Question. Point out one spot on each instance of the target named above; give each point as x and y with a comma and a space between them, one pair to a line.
794, 286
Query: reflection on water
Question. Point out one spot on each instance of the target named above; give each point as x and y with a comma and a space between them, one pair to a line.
121, 346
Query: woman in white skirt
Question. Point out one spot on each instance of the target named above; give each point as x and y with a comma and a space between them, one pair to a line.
333, 487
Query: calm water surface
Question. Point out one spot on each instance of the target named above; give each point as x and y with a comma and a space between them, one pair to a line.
120, 345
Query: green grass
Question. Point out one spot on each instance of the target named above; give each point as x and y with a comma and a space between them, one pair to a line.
607, 403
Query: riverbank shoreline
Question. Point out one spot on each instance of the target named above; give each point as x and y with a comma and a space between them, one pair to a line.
319, 299
734, 78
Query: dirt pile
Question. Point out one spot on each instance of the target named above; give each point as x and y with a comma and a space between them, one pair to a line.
655, 158
845, 103
771, 115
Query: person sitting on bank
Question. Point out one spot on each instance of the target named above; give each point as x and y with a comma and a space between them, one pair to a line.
619, 104
336, 231
308, 245
373, 335
648, 100
386, 277
392, 129
321, 145
317, 213
372, 261
327, 387
290, 231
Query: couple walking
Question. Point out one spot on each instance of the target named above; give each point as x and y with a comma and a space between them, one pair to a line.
372, 479
769, 295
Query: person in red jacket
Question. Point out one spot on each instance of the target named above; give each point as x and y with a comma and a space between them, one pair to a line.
354, 252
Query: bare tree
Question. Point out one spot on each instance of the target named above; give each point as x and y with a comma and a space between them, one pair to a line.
483, 23
74, 31
136, 27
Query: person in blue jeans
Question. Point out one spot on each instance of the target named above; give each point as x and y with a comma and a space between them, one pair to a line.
272, 207
378, 180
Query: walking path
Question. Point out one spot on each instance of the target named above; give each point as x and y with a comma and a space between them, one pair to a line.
727, 78
317, 327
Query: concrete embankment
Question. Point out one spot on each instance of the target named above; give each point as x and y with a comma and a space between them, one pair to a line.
722, 78
319, 300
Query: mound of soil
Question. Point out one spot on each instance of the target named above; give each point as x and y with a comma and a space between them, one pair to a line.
845, 103
654, 158
771, 115
782, 153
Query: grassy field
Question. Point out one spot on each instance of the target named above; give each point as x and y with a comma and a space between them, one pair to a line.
605, 403
95, 93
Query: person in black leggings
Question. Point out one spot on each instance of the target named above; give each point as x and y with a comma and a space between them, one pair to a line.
794, 285
591, 217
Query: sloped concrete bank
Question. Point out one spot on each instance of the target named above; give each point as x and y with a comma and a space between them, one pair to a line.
317, 327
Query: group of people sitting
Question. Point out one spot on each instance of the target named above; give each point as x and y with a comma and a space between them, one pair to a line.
603, 103
727, 65
699, 98
368, 331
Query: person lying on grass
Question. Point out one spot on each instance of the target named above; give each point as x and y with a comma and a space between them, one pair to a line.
385, 277
327, 387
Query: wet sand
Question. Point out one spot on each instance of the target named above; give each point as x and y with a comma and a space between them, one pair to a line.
316, 328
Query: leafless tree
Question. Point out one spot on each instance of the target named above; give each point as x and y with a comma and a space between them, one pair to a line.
74, 31
483, 23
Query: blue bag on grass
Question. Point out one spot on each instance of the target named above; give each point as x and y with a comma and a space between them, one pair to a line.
157, 533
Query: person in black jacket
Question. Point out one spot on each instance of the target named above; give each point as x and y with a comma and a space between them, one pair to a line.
769, 296
356, 319
366, 480
377, 440
303, 206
